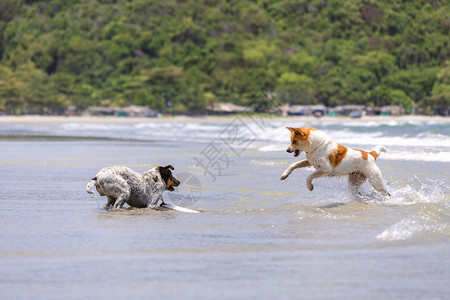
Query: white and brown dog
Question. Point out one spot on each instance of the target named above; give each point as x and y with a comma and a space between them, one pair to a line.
332, 159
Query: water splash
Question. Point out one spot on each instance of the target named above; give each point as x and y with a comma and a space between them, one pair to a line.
432, 197
420, 191
414, 192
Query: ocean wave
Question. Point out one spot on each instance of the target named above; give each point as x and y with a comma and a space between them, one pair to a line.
428, 144
403, 153
381, 123
272, 148
348, 137
268, 136
431, 156
390, 123
397, 141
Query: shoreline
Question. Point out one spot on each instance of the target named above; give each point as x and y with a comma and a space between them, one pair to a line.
36, 119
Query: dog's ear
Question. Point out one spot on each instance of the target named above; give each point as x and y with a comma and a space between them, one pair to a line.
169, 167
295, 130
165, 169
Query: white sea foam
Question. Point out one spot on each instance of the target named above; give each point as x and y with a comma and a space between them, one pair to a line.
443, 156
404, 153
402, 230
349, 137
272, 148
379, 123
371, 123
364, 139
408, 227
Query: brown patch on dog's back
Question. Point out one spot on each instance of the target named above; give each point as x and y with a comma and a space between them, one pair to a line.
365, 155
337, 155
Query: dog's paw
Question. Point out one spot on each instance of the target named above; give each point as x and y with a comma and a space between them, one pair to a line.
310, 186
117, 206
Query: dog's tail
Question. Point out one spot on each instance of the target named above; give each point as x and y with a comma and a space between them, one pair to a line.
377, 150
90, 185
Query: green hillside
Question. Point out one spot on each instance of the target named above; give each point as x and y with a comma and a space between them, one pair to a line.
179, 56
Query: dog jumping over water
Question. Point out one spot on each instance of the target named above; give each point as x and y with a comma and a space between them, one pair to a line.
332, 159
124, 185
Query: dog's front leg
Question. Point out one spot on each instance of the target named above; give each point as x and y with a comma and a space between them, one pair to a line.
292, 167
155, 200
319, 173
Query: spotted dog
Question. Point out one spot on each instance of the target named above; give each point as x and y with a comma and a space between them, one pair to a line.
332, 159
124, 185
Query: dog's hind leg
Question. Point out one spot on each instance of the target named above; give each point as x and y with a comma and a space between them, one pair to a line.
110, 203
355, 180
376, 180
300, 164
122, 192
122, 199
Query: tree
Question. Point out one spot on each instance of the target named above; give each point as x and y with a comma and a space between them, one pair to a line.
382, 95
439, 101
174, 55
296, 89
13, 92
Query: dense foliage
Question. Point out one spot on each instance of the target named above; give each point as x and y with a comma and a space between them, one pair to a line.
179, 56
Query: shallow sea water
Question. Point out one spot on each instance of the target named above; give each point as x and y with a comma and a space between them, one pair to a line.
257, 237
